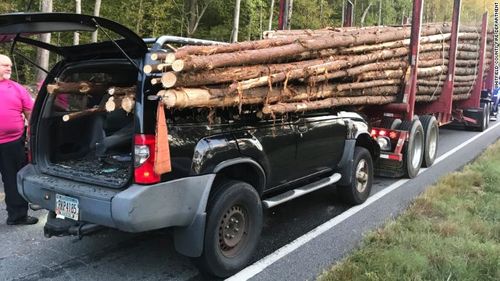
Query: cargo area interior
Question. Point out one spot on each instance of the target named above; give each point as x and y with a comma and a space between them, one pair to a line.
95, 146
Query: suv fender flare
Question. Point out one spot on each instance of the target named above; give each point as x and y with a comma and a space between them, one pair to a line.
188, 240
245, 160
346, 163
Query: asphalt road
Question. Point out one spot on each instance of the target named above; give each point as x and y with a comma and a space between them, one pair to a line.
300, 238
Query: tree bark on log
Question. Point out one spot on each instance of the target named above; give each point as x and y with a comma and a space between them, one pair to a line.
381, 74
282, 108
230, 74
406, 42
428, 98
79, 114
198, 97
231, 48
87, 88
269, 55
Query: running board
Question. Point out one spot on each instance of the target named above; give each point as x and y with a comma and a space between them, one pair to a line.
292, 194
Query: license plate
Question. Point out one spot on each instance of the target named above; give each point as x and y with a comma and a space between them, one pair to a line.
67, 207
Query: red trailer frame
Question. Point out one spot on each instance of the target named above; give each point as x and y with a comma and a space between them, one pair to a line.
468, 113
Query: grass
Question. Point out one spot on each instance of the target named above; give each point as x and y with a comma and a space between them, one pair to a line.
451, 232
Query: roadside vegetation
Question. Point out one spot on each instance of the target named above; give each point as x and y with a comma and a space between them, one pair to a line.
451, 232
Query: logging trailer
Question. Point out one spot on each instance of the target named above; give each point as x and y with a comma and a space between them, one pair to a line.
100, 153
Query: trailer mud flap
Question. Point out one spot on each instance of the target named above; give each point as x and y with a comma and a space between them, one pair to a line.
389, 168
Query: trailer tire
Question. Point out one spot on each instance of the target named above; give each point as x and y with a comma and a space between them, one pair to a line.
486, 107
413, 150
234, 224
390, 123
483, 118
362, 178
431, 139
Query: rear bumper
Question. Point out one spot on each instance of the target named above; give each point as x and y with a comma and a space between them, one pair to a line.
135, 209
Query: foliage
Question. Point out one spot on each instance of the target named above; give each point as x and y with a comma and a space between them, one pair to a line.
152, 18
451, 232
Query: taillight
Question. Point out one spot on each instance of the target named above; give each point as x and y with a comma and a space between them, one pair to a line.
144, 147
385, 138
28, 144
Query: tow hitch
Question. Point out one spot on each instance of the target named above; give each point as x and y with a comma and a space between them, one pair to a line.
65, 227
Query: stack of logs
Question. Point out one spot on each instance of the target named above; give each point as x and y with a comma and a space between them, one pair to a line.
116, 98
302, 70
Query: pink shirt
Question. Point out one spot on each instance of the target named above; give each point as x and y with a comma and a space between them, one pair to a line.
14, 99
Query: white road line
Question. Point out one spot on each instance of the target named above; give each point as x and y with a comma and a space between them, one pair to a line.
263, 263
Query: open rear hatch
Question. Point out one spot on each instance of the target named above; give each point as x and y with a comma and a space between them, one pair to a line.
75, 131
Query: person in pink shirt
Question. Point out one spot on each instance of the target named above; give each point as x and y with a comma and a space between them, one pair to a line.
15, 106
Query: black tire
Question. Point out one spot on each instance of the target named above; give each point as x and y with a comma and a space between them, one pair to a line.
431, 139
234, 223
390, 123
483, 118
413, 150
362, 178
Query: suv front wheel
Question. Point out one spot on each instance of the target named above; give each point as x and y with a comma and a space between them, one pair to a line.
234, 223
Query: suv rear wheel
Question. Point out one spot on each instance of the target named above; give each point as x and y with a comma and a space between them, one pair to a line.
234, 223
361, 178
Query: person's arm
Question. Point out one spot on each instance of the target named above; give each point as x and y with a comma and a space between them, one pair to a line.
27, 115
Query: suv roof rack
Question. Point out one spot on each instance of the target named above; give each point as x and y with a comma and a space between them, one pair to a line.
166, 39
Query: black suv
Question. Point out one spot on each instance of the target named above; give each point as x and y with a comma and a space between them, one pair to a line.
97, 170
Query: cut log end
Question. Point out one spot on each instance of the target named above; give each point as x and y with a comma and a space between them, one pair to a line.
110, 105
168, 98
155, 81
178, 65
169, 58
148, 68
168, 79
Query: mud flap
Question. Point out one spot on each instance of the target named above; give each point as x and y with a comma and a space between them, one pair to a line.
189, 240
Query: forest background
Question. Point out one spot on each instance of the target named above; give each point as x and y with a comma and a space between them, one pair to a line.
214, 19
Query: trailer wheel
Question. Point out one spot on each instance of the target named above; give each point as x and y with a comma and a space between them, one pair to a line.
362, 178
234, 223
390, 123
486, 109
431, 137
413, 150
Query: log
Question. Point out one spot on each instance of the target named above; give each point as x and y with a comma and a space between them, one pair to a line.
120, 91
199, 97
381, 74
318, 70
434, 62
441, 83
429, 98
269, 55
155, 81
125, 102
150, 68
406, 42
168, 79
219, 49
230, 74
87, 88
282, 108
353, 71
79, 114
424, 90
167, 58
